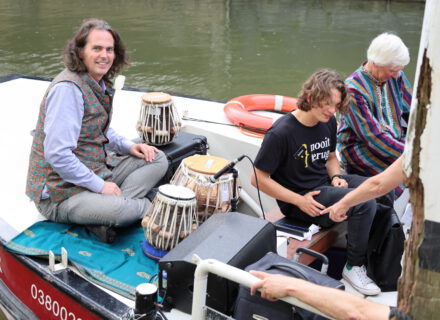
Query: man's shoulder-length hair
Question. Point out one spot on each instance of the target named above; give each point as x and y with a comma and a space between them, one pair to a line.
317, 90
71, 54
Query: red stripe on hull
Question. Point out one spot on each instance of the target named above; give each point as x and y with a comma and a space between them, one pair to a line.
40, 296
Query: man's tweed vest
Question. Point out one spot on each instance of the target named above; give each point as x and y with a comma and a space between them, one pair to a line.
90, 147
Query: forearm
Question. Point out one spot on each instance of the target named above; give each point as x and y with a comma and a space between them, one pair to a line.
332, 165
117, 143
336, 303
274, 189
71, 170
376, 186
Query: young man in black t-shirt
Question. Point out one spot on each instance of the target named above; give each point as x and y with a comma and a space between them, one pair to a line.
297, 165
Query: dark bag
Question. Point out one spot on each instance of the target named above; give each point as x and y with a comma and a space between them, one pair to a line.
184, 145
385, 249
255, 307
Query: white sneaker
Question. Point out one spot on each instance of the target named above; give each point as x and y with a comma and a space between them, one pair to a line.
358, 278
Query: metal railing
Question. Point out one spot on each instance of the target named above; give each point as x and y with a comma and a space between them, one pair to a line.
204, 267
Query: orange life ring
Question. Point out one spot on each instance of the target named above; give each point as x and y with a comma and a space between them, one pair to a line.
238, 110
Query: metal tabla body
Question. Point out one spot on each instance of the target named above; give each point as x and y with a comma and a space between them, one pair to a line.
159, 121
195, 173
171, 217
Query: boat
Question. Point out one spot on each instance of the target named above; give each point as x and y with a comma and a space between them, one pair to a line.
30, 287
33, 288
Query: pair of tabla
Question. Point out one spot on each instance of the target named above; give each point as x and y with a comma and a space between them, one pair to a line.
179, 208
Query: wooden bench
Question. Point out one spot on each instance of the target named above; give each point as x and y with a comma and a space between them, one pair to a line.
320, 242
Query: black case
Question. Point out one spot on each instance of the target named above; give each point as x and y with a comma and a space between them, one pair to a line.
184, 145
254, 307
233, 238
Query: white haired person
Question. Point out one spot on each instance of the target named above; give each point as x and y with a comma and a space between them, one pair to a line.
371, 135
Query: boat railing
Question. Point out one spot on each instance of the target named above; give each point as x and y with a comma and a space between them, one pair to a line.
204, 267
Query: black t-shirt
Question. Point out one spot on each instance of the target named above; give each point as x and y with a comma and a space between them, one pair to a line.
295, 155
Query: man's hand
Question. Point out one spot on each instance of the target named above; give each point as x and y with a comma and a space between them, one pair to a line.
273, 286
339, 182
336, 212
309, 205
142, 150
111, 188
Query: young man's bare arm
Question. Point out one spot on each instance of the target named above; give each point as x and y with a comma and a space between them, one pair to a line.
334, 168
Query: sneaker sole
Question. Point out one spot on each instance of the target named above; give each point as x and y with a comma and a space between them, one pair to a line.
361, 290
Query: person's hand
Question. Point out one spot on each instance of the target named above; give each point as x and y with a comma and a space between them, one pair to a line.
273, 286
111, 188
339, 182
337, 212
309, 205
142, 150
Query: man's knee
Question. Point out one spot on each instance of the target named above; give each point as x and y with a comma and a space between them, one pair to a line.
160, 164
367, 208
161, 158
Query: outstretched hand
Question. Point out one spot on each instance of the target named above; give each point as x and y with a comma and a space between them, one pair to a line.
142, 150
337, 212
309, 205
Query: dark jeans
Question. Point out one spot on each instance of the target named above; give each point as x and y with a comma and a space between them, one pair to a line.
360, 217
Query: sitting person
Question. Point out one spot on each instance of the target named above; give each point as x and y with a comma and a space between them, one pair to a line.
371, 135
73, 177
297, 165
348, 306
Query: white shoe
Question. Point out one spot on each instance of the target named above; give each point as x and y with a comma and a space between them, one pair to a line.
358, 278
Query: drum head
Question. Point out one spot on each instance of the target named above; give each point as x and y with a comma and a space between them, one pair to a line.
177, 192
156, 97
205, 164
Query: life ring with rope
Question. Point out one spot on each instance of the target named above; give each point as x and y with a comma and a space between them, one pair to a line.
238, 110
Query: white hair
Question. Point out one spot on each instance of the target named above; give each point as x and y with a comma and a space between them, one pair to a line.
387, 49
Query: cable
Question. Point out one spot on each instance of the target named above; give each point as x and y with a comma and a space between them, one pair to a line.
160, 315
258, 187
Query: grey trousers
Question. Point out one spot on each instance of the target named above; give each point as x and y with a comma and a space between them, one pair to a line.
134, 176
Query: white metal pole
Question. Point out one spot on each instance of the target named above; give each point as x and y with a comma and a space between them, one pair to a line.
204, 267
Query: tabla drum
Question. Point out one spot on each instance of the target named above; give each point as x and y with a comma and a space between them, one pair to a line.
159, 121
195, 173
171, 217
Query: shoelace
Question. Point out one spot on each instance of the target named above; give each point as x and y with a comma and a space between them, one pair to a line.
362, 274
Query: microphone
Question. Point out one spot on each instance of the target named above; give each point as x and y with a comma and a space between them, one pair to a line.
226, 169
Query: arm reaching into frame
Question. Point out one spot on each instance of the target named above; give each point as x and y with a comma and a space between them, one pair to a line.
371, 188
335, 303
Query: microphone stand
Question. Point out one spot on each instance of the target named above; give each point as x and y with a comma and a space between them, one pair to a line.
234, 199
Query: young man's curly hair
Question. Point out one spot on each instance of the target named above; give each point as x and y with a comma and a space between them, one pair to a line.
71, 54
317, 90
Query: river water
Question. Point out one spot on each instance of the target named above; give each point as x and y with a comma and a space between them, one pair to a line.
216, 49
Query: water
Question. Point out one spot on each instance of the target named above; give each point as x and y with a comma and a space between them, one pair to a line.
217, 49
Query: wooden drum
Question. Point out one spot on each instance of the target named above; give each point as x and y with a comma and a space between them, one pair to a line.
171, 217
158, 121
195, 173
